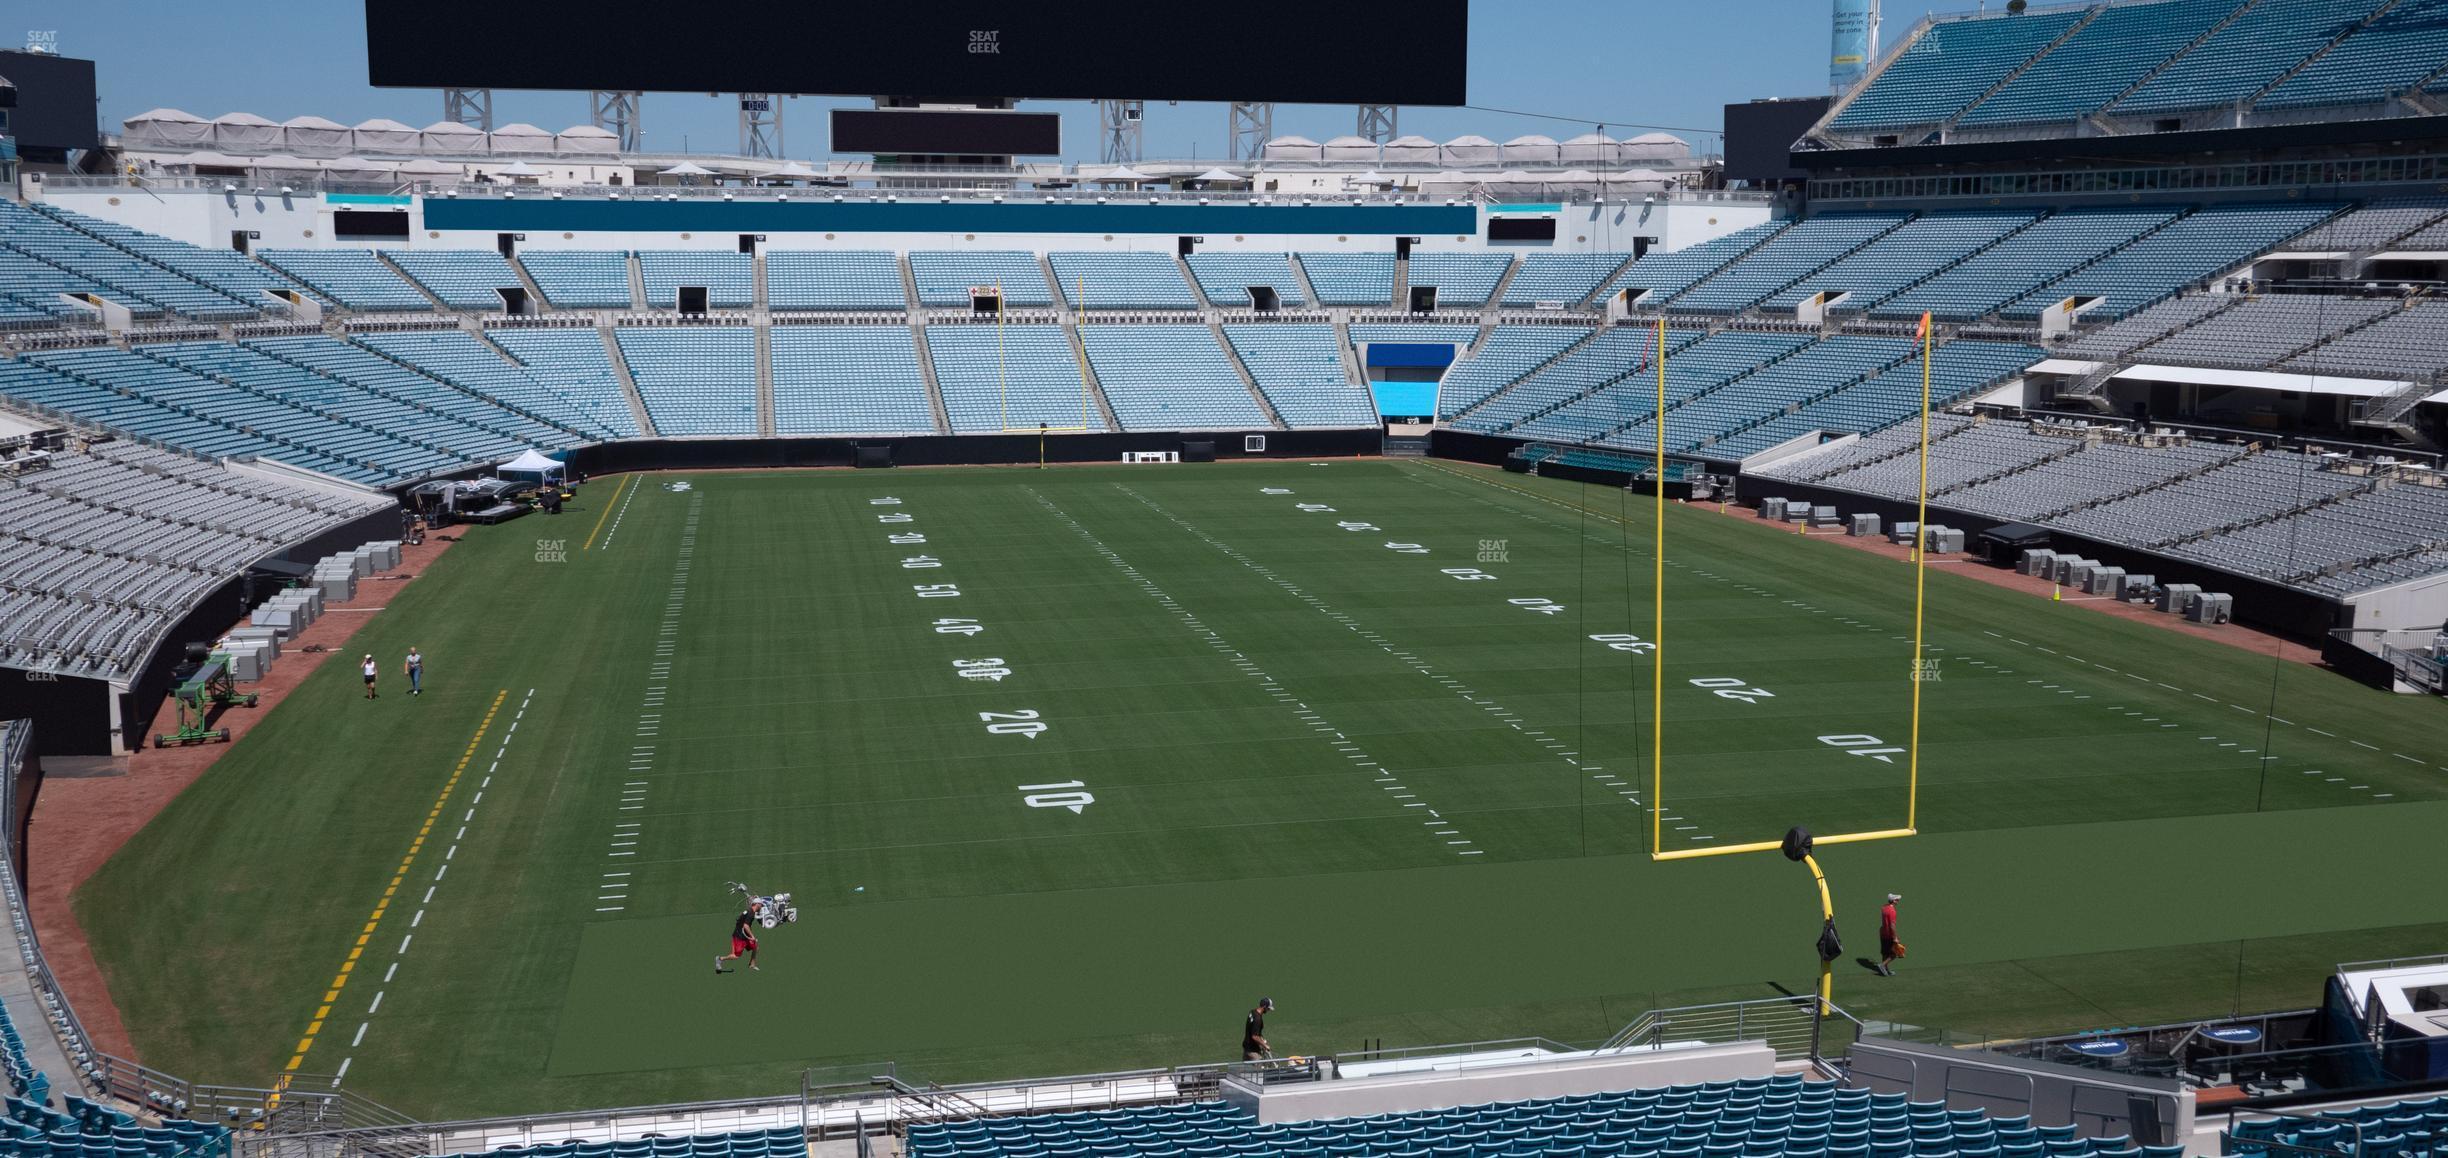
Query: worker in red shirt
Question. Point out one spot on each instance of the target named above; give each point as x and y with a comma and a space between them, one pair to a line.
1890, 948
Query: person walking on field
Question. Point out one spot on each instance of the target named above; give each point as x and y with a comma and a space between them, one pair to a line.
416, 671
370, 668
1254, 1045
743, 942
1891, 947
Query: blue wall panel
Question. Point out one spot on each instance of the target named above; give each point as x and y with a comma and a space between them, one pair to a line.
518, 216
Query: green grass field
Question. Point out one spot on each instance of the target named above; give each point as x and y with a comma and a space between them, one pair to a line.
1374, 781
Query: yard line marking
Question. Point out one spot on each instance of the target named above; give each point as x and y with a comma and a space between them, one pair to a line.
599, 519
349, 964
2310, 728
2361, 744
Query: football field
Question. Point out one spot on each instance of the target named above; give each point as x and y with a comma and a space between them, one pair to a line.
1067, 767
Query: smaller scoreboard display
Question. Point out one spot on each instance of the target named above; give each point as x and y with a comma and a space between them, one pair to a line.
946, 132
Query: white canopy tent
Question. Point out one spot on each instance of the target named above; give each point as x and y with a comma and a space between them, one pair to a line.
1640, 181
1532, 149
1469, 150
421, 168
1656, 147
586, 141
790, 171
1589, 149
532, 462
1292, 149
1411, 150
686, 173
451, 139
245, 132
168, 128
1220, 176
1449, 181
207, 159
518, 169
284, 163
523, 139
357, 169
382, 136
315, 136
1349, 150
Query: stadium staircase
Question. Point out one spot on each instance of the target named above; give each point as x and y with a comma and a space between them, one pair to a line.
758, 303
1938, 434
1402, 282
637, 298
158, 354
2318, 53
1351, 356
620, 366
535, 293
1215, 329
2272, 517
2145, 488
1198, 293
909, 292
764, 380
2017, 71
1534, 372
2095, 119
1300, 278
1490, 309
469, 327
1088, 374
926, 369
2392, 412
1649, 363
402, 273
1590, 300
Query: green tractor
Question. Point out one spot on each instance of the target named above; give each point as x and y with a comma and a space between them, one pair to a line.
199, 699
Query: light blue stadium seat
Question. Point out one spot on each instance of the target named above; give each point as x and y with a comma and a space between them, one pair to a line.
833, 280
848, 380
695, 380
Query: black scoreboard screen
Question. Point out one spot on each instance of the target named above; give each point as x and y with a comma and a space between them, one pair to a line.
1407, 52
957, 132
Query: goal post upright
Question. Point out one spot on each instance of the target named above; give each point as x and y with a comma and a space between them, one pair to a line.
1920, 562
1657, 626
1920, 558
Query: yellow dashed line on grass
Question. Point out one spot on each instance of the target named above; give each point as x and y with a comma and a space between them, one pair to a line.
373, 922
607, 513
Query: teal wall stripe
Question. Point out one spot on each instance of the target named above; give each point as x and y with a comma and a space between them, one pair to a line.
516, 216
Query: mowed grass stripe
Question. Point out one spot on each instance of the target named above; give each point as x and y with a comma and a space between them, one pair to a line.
348, 965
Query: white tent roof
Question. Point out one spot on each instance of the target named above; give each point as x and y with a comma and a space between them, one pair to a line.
314, 135
451, 137
518, 169
1123, 173
688, 169
284, 161
211, 159
1292, 149
355, 165
1372, 177
530, 460
383, 125
1214, 175
427, 167
1411, 150
586, 140
521, 138
245, 131
176, 116
382, 136
790, 169
1350, 148
1469, 150
1574, 177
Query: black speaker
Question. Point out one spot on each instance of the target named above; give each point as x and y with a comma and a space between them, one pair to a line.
870, 457
1198, 451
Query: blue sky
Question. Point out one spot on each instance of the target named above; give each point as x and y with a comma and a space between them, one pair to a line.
1670, 63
